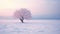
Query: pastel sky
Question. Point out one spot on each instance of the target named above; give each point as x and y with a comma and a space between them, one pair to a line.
38, 8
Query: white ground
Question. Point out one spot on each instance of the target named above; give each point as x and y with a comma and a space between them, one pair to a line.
30, 27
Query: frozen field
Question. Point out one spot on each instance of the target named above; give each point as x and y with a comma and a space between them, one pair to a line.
30, 27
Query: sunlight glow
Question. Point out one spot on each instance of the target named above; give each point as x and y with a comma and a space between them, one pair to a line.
37, 7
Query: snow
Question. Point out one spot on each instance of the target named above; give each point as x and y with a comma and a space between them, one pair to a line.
30, 27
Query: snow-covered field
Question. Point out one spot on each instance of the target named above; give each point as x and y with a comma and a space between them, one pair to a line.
30, 27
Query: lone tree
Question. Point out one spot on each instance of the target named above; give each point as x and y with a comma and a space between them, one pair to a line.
22, 14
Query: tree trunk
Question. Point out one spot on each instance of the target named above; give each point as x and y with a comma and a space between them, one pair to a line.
21, 19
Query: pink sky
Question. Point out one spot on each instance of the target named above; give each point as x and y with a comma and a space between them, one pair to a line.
7, 7
37, 7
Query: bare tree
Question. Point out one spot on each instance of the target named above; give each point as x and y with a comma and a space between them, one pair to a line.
22, 14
